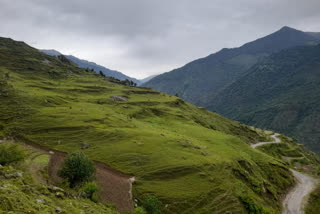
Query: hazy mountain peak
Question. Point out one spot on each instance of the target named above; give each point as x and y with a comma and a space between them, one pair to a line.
51, 52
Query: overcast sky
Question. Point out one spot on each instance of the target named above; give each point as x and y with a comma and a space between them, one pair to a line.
145, 37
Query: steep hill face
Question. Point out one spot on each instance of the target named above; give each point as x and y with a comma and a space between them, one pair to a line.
97, 68
193, 160
202, 79
281, 93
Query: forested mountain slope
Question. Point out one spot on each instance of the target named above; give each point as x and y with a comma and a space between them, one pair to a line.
280, 93
200, 80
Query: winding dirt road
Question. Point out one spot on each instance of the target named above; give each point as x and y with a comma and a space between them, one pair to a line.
295, 200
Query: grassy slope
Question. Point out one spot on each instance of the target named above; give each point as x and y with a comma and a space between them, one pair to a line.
194, 160
280, 93
20, 195
313, 206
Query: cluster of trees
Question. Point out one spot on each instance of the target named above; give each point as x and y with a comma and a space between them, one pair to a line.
122, 82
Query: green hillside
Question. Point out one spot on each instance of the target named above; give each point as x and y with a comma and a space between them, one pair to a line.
201, 80
193, 160
281, 93
24, 195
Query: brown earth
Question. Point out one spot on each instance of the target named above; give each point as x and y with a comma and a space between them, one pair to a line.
115, 187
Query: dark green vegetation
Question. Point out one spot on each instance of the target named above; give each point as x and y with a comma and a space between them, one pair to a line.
91, 65
77, 169
280, 93
152, 205
20, 193
199, 81
10, 153
193, 160
313, 205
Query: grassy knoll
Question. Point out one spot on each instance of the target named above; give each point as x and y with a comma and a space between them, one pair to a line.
313, 205
195, 161
20, 193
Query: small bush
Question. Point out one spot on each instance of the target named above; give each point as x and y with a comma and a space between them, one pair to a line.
90, 188
94, 197
152, 204
11, 153
139, 210
77, 169
251, 206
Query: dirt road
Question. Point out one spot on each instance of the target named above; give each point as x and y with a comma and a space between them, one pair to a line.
275, 140
295, 200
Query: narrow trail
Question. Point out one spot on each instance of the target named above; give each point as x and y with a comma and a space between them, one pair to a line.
115, 186
295, 200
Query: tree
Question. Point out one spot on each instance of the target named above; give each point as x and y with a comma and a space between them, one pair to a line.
7, 76
77, 169
11, 153
152, 204
102, 74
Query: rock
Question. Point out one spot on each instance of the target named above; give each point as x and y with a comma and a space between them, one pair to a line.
59, 195
125, 106
13, 175
51, 152
85, 146
58, 210
118, 98
40, 201
55, 189
197, 147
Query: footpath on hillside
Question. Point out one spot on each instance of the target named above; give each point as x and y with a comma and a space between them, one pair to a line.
115, 187
295, 200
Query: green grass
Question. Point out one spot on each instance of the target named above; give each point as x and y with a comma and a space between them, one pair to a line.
194, 160
292, 153
20, 195
313, 205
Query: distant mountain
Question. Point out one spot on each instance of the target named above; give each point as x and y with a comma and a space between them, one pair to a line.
97, 68
281, 93
142, 81
201, 80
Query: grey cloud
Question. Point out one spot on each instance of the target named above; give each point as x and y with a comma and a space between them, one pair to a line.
144, 37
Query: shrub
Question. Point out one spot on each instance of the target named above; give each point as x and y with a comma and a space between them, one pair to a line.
152, 204
251, 206
139, 210
11, 153
77, 169
90, 188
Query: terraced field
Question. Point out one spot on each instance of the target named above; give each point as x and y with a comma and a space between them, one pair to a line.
193, 160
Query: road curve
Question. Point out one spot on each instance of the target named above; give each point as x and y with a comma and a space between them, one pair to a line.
295, 200
275, 140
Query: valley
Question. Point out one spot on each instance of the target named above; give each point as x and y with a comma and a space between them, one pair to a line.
191, 159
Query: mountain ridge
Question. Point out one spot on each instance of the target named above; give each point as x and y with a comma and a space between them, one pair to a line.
206, 76
92, 65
